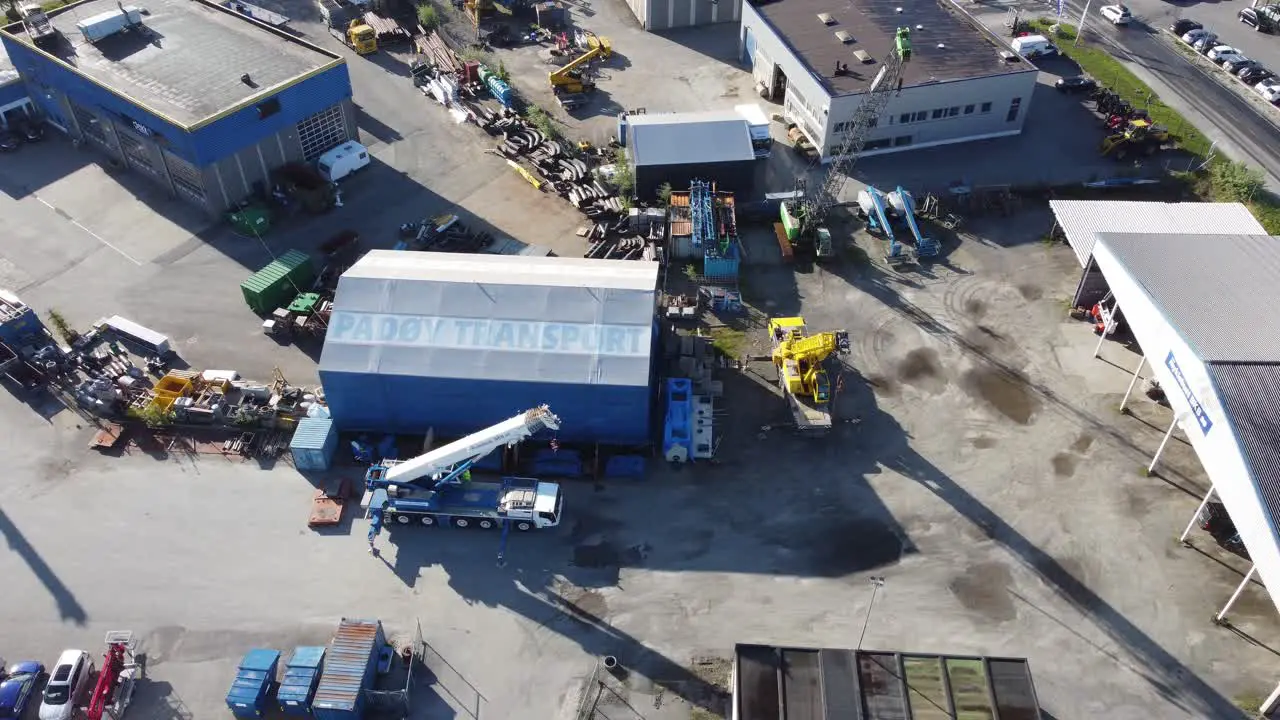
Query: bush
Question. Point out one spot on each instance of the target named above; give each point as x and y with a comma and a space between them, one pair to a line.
428, 18
1233, 181
623, 178
541, 121
62, 327
503, 74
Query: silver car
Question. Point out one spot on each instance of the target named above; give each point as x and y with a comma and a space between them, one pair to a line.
69, 681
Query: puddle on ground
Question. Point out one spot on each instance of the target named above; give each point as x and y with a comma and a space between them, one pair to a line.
1030, 292
921, 369
1064, 464
1008, 395
984, 588
1082, 444
975, 308
983, 443
883, 386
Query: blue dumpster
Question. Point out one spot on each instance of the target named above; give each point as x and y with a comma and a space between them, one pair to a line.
301, 674
254, 678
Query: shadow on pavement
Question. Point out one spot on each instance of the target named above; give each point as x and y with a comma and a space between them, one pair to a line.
68, 607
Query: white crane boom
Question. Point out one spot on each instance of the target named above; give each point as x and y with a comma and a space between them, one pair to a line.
473, 447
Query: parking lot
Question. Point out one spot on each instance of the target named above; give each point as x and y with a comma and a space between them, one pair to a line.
990, 479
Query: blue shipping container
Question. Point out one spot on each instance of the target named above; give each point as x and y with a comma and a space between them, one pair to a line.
350, 666
248, 695
301, 675
314, 443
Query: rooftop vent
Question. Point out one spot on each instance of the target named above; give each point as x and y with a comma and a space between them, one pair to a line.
826, 19
942, 46
844, 36
898, 10
919, 27
863, 57
1008, 56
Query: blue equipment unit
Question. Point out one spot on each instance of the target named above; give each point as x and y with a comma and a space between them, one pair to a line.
254, 678
301, 675
350, 667
925, 246
501, 91
677, 431
313, 444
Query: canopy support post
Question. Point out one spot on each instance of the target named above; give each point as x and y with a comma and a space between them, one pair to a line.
1221, 618
1134, 381
1203, 504
1160, 450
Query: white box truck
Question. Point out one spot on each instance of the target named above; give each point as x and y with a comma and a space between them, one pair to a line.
104, 25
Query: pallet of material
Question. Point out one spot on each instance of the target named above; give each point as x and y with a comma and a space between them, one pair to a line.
388, 30
326, 506
107, 437
788, 253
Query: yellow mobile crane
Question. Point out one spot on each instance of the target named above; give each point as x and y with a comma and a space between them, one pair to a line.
801, 361
567, 82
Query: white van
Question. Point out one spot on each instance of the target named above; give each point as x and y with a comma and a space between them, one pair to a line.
1031, 46
343, 160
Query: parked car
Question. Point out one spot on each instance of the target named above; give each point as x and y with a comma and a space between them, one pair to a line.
1233, 63
1116, 14
68, 683
1205, 43
8, 142
1269, 90
1191, 36
1253, 76
1182, 26
1217, 52
1262, 19
1251, 64
1077, 84
17, 686
28, 130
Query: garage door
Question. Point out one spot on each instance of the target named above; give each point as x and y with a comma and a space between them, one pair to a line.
186, 178
136, 151
90, 126
322, 131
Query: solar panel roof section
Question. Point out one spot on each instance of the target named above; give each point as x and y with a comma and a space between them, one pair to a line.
967, 49
1250, 394
1218, 291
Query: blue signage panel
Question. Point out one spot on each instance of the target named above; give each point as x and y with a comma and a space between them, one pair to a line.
1202, 417
515, 335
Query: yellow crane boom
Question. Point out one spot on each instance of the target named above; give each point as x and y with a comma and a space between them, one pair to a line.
564, 77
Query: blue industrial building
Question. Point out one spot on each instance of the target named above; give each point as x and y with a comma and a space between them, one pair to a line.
456, 342
200, 99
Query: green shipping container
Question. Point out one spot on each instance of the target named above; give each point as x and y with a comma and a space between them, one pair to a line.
276, 284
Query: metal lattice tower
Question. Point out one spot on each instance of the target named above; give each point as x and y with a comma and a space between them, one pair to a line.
816, 205
702, 214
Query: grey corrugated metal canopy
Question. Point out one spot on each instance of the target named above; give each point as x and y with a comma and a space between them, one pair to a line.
1202, 307
1082, 220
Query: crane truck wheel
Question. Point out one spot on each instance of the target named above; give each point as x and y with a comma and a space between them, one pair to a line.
524, 526
461, 522
428, 520
485, 524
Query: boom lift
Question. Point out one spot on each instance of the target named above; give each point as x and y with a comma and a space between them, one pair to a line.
436, 487
872, 202
905, 205
121, 669
803, 218
801, 361
568, 82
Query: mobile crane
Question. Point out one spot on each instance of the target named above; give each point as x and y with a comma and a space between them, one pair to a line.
802, 219
568, 83
121, 669
801, 361
436, 487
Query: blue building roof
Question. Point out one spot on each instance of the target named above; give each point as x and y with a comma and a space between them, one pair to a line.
188, 60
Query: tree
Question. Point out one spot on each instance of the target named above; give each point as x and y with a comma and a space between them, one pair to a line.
428, 18
664, 193
623, 177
